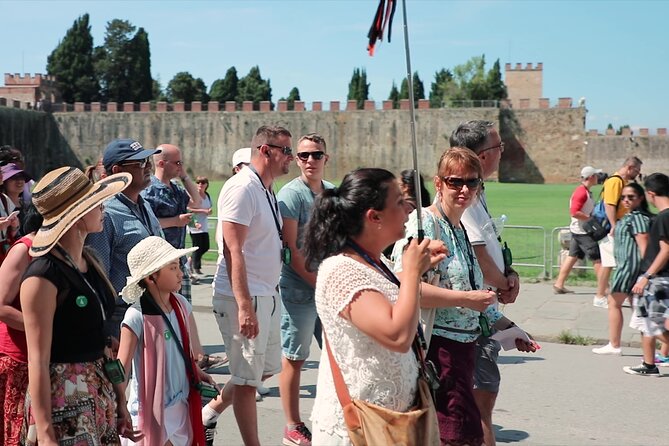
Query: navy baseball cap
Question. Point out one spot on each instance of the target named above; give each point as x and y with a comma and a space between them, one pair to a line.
120, 150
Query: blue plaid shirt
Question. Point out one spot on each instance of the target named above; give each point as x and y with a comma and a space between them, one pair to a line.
168, 202
125, 224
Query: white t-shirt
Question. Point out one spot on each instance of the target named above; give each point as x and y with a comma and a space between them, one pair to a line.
481, 231
245, 201
201, 217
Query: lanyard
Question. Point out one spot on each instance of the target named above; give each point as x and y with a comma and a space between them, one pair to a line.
274, 208
71, 264
143, 216
467, 249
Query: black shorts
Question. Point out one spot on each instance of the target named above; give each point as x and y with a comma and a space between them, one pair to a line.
583, 245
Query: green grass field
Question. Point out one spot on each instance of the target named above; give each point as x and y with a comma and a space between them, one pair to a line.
541, 205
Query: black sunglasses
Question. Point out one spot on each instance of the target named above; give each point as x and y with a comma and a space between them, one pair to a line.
284, 149
458, 183
317, 155
629, 197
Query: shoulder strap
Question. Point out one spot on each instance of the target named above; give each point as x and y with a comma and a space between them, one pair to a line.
351, 417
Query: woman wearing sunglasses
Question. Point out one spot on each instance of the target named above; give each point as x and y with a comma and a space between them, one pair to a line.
463, 311
631, 236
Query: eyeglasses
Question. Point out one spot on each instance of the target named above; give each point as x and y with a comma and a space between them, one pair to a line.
202, 182
178, 163
284, 149
629, 197
317, 155
458, 183
141, 163
500, 146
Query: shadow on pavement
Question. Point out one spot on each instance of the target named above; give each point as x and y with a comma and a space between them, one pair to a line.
509, 435
518, 359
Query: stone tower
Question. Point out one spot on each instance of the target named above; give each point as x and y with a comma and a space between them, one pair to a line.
524, 84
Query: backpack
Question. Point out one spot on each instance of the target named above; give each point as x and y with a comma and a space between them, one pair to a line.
599, 212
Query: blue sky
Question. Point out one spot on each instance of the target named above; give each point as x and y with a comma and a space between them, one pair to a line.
613, 53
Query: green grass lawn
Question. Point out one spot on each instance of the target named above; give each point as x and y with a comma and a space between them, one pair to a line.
541, 205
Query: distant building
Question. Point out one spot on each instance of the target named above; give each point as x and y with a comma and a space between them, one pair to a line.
35, 90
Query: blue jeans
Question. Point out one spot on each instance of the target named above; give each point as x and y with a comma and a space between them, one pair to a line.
299, 322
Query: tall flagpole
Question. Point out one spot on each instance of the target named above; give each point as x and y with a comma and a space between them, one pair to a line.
412, 112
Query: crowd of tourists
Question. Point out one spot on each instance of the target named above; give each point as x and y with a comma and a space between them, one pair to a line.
626, 235
99, 346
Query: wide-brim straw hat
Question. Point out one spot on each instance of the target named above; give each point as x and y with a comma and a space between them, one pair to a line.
65, 195
145, 258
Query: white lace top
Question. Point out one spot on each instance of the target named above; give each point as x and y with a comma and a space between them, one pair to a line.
372, 372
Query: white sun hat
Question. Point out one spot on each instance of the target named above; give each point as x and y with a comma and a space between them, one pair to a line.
144, 259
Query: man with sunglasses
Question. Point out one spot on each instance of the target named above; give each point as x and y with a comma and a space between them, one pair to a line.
481, 138
128, 218
299, 320
246, 302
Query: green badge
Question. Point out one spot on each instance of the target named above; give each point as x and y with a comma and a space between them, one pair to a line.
81, 301
168, 335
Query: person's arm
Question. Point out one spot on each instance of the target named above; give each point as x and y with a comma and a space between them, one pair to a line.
234, 235
660, 262
642, 242
505, 323
491, 274
11, 272
191, 188
126, 351
611, 216
180, 220
436, 297
38, 303
393, 325
297, 261
578, 199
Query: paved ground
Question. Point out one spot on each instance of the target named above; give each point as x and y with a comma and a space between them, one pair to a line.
562, 395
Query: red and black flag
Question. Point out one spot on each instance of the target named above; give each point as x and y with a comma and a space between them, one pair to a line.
381, 20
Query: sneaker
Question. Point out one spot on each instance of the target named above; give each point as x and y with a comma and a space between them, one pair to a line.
209, 433
642, 370
297, 436
262, 390
608, 349
211, 362
661, 361
600, 302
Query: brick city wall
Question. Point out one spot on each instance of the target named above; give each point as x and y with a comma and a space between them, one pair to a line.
542, 145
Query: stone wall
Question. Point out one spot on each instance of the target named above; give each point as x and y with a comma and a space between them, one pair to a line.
609, 152
542, 145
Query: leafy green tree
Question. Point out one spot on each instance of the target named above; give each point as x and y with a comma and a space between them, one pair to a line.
184, 87
471, 79
293, 95
225, 89
418, 89
442, 88
139, 73
72, 63
496, 87
394, 95
157, 93
253, 87
123, 63
358, 88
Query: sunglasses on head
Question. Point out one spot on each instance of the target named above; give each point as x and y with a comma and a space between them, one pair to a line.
317, 155
284, 149
458, 183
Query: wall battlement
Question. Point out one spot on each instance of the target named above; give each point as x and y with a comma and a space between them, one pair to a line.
528, 67
27, 79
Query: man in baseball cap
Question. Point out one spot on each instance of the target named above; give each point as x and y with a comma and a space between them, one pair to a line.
128, 218
240, 158
589, 171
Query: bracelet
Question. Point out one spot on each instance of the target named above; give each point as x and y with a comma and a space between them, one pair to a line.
647, 276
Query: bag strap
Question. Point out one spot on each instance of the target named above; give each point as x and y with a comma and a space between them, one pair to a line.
351, 417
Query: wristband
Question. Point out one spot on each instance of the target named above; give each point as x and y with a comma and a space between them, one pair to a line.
647, 276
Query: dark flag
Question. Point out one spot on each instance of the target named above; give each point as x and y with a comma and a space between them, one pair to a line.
381, 20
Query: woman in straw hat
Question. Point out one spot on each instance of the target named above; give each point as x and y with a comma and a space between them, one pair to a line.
66, 300
155, 336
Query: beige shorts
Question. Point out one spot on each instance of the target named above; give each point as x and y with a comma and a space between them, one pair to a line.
251, 359
606, 252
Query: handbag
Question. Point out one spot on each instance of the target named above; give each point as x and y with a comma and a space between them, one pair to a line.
595, 229
371, 425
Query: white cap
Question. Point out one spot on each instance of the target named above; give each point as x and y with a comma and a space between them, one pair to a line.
241, 156
589, 171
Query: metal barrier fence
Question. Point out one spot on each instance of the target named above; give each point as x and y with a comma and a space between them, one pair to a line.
529, 244
554, 260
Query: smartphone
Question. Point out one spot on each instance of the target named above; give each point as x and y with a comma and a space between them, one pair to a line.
12, 215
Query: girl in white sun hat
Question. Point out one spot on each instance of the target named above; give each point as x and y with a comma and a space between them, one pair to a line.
155, 338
